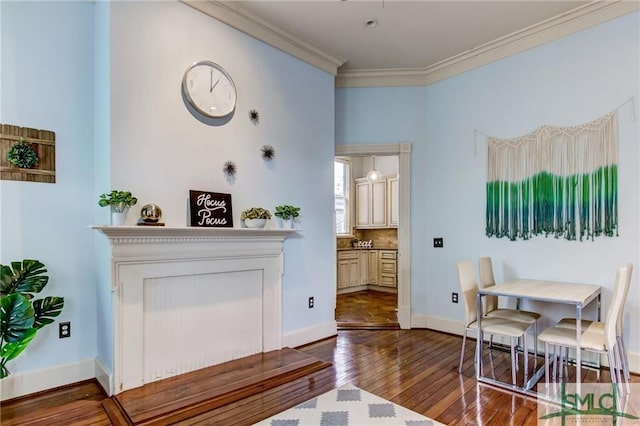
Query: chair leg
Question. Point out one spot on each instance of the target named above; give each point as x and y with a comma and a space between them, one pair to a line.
525, 354
625, 360
535, 343
513, 360
546, 364
464, 341
612, 365
555, 363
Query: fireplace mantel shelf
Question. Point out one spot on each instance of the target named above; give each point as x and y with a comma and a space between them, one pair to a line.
190, 232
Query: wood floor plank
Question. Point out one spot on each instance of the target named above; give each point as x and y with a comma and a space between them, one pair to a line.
417, 369
191, 394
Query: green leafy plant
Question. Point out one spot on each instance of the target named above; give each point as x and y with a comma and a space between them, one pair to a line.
255, 213
20, 315
22, 154
118, 200
287, 212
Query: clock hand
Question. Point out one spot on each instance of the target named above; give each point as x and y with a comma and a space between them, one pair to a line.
214, 86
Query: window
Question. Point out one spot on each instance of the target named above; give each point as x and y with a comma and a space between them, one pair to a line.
342, 173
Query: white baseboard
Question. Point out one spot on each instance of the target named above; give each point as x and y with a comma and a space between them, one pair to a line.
308, 335
447, 325
16, 385
104, 377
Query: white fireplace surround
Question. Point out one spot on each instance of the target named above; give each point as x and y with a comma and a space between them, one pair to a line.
189, 298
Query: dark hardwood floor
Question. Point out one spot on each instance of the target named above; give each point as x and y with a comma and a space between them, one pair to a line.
367, 309
414, 368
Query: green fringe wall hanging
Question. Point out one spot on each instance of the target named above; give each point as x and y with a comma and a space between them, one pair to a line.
560, 181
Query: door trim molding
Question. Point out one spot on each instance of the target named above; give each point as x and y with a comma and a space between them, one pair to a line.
403, 151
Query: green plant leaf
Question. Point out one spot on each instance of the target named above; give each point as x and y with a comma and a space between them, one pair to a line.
46, 309
24, 277
10, 350
16, 317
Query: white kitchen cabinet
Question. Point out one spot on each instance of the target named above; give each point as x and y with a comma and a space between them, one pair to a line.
374, 207
373, 267
364, 267
392, 201
348, 269
388, 270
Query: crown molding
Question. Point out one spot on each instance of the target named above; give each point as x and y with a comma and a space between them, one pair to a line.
578, 19
242, 20
575, 20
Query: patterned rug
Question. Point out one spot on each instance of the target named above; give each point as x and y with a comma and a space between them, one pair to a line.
348, 406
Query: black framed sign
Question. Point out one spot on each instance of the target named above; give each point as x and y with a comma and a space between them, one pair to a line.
210, 209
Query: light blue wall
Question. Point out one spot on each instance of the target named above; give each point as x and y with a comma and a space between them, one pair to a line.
567, 82
47, 83
124, 125
160, 151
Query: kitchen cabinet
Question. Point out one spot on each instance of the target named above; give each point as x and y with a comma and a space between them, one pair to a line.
388, 270
373, 267
366, 269
374, 207
392, 201
348, 269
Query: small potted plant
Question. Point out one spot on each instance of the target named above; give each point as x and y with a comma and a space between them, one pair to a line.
255, 217
287, 214
119, 201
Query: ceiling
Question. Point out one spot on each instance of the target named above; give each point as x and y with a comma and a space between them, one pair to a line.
409, 34
419, 41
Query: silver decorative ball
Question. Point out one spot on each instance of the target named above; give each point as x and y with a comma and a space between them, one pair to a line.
150, 213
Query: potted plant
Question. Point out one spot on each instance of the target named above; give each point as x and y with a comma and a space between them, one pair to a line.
287, 214
22, 315
120, 201
255, 217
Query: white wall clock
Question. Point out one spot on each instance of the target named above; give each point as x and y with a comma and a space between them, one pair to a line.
209, 89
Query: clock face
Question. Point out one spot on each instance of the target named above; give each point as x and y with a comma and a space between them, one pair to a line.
209, 89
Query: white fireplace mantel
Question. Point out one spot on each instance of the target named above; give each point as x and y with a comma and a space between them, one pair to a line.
168, 281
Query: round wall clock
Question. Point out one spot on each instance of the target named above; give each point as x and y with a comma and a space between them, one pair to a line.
209, 89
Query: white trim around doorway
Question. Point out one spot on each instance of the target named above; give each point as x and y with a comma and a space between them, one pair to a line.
403, 151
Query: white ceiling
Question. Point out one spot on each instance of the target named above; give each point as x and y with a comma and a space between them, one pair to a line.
415, 42
409, 34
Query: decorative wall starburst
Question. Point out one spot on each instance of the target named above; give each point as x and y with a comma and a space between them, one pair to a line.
268, 152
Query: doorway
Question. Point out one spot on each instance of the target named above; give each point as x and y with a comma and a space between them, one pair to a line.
403, 151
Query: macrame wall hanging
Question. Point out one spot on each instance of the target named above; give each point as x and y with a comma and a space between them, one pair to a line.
560, 181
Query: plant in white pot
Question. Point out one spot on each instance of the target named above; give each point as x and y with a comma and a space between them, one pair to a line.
287, 214
255, 217
119, 201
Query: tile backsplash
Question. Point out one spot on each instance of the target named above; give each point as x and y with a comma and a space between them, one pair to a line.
381, 238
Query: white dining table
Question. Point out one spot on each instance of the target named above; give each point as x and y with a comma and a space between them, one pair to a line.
577, 294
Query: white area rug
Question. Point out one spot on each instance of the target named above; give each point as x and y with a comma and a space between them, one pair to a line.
348, 406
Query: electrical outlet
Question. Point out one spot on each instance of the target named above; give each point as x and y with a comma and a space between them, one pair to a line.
311, 303
64, 329
454, 297
438, 242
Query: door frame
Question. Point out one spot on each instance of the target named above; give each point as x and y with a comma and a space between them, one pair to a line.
403, 151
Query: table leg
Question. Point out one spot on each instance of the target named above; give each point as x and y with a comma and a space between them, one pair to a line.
578, 350
480, 338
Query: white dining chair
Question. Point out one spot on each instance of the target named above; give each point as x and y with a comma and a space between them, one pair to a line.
498, 326
570, 323
597, 337
491, 309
